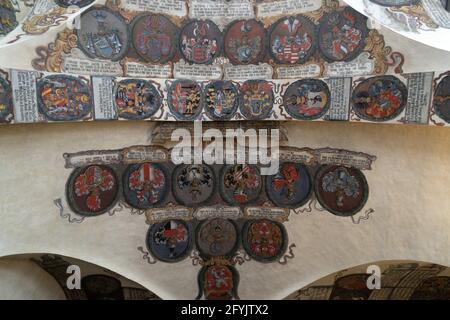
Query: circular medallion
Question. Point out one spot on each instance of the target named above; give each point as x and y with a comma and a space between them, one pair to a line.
264, 240
193, 184
8, 17
102, 287
244, 42
217, 237
6, 104
340, 190
307, 99
103, 34
293, 40
396, 3
137, 99
92, 190
291, 187
240, 184
64, 98
221, 100
155, 38
145, 185
74, 3
218, 282
342, 35
185, 99
256, 99
200, 41
442, 99
379, 98
169, 241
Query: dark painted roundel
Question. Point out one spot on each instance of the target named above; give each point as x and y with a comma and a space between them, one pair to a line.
292, 40
342, 35
379, 98
240, 184
217, 238
74, 3
193, 184
442, 99
200, 41
6, 104
264, 240
103, 34
64, 98
8, 17
170, 241
137, 99
145, 185
185, 99
307, 99
256, 99
221, 100
92, 190
341, 190
154, 38
291, 187
245, 42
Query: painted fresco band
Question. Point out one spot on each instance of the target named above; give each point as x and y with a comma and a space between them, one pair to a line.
290, 40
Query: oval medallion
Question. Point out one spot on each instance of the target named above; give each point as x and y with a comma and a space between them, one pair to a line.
103, 34
8, 17
264, 240
92, 190
200, 41
442, 99
240, 184
155, 38
291, 187
256, 99
185, 99
340, 190
169, 241
307, 99
218, 282
379, 98
6, 103
245, 42
145, 185
137, 99
217, 237
342, 35
293, 40
221, 100
193, 184
396, 3
64, 98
